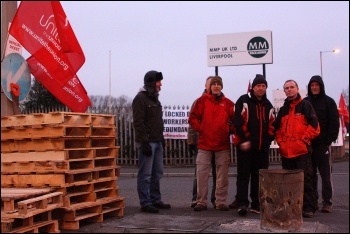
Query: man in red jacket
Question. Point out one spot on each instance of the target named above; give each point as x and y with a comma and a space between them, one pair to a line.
296, 126
211, 116
192, 141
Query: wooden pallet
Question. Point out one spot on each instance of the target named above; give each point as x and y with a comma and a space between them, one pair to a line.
60, 154
50, 226
102, 120
45, 132
102, 131
37, 167
45, 144
106, 151
61, 118
72, 217
42, 221
64, 118
10, 196
90, 186
33, 180
33, 206
53, 161
103, 141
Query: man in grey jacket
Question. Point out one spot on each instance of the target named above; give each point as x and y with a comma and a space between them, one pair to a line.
148, 125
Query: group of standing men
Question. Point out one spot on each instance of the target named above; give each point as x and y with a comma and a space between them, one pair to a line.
304, 130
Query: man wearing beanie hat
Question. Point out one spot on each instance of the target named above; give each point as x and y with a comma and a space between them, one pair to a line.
328, 117
254, 126
192, 141
216, 79
148, 125
211, 116
259, 79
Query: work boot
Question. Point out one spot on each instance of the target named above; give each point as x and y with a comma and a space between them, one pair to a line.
149, 209
161, 205
199, 207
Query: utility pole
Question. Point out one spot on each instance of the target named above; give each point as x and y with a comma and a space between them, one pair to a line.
8, 10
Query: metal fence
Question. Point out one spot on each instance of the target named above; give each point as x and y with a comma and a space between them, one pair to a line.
175, 150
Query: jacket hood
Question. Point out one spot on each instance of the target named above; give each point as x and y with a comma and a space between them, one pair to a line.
319, 80
150, 80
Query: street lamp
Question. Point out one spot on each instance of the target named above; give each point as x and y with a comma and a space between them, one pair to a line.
327, 51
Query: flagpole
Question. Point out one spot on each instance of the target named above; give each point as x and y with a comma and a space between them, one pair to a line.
110, 82
8, 10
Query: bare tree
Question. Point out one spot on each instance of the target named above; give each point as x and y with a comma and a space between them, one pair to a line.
119, 102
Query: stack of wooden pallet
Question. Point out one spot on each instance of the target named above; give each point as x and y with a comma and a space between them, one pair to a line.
29, 210
72, 153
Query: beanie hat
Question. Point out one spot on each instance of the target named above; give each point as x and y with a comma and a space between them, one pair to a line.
216, 79
259, 79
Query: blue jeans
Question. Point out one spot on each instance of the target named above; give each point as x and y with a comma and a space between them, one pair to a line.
149, 174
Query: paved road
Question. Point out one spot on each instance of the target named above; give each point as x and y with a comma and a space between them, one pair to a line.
176, 189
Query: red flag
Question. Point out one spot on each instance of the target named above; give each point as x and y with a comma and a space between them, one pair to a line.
343, 114
343, 110
72, 94
44, 31
249, 87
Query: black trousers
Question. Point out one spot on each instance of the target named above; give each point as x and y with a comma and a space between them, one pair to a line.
303, 163
248, 165
321, 161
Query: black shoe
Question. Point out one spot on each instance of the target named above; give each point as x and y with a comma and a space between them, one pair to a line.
242, 210
233, 205
308, 214
149, 209
162, 205
327, 209
193, 204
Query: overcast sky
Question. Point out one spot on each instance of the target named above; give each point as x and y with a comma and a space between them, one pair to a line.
171, 37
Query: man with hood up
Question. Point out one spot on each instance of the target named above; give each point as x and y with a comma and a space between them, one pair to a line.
148, 125
328, 117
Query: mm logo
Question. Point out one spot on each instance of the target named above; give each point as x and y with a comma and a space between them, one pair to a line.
258, 47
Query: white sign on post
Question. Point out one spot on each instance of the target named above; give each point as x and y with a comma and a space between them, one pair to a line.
12, 45
240, 48
175, 123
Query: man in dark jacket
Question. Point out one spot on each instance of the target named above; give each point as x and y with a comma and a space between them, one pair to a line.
149, 126
328, 118
254, 122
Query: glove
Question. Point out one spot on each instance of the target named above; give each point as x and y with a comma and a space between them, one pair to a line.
192, 149
146, 149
